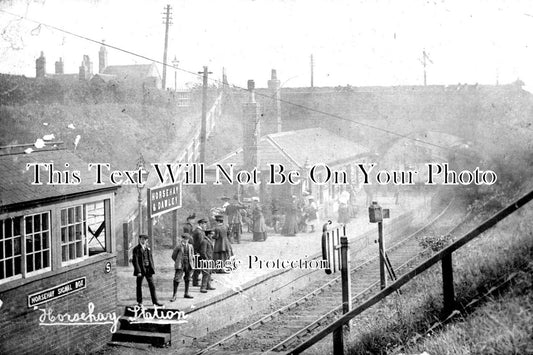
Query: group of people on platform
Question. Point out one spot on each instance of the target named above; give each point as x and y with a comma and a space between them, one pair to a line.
211, 239
298, 216
205, 244
212, 245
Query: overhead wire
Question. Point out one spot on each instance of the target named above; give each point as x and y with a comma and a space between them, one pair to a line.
363, 124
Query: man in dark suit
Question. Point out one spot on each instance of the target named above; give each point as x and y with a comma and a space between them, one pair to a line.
222, 249
206, 253
143, 266
197, 236
183, 265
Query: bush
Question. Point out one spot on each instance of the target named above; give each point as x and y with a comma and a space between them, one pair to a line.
435, 242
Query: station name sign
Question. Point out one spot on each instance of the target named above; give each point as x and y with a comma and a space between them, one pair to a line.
56, 292
164, 199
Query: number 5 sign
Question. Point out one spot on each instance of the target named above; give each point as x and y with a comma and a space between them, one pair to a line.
107, 268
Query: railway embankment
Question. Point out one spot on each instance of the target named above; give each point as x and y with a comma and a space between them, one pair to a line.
493, 286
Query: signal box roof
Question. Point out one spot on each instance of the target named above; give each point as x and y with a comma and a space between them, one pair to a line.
17, 190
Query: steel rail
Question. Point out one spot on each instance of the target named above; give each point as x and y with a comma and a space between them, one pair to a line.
319, 290
417, 270
281, 346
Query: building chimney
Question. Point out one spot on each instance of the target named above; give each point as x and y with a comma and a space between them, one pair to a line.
102, 58
40, 66
275, 89
86, 68
251, 91
60, 67
251, 129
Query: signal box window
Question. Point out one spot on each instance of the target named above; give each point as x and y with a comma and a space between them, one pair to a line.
37, 236
73, 238
96, 227
10, 248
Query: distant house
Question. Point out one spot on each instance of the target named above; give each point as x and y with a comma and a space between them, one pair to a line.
135, 75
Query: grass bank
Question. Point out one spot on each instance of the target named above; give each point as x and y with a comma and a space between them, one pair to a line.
500, 325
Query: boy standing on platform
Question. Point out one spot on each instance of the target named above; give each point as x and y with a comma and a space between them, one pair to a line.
183, 264
206, 253
197, 237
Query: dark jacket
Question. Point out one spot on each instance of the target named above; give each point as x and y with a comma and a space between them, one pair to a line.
221, 237
177, 255
259, 225
206, 249
233, 211
197, 236
138, 265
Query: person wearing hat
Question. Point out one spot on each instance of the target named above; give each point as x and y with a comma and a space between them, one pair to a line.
234, 212
187, 226
206, 253
290, 227
183, 264
311, 212
143, 266
226, 203
222, 249
197, 236
259, 226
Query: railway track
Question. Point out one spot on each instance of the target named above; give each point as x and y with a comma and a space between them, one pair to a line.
291, 324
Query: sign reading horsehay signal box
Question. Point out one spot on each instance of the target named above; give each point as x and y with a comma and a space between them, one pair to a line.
56, 292
164, 199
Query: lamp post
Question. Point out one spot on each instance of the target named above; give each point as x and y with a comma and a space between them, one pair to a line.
140, 185
175, 63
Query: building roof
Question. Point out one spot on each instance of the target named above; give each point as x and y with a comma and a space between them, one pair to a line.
17, 189
296, 149
106, 78
134, 71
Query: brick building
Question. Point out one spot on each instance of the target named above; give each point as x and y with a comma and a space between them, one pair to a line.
57, 255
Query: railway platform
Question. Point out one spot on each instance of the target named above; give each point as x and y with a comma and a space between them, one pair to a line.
250, 288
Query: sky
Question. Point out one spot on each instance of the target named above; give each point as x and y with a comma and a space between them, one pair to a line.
359, 43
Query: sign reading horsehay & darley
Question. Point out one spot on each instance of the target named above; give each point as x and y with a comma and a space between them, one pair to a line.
164, 199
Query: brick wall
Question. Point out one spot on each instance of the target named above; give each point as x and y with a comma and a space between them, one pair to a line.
20, 332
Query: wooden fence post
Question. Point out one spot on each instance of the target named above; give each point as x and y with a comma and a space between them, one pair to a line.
338, 341
345, 277
447, 284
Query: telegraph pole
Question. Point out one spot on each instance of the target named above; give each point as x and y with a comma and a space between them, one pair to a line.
167, 23
312, 70
423, 61
203, 129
